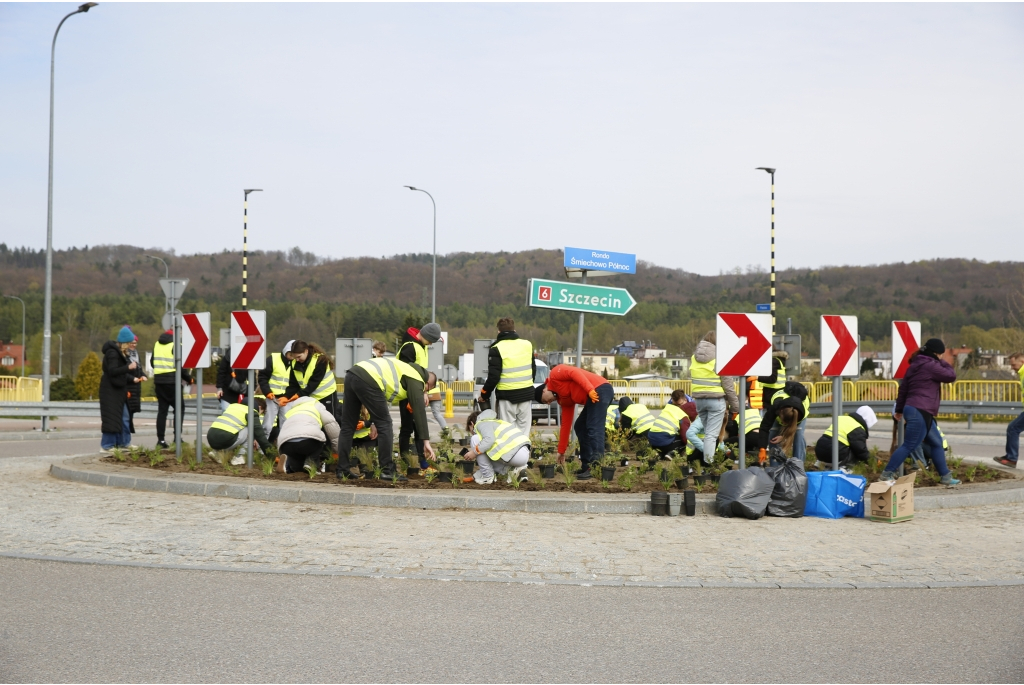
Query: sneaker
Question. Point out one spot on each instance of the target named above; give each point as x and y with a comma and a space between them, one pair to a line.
238, 460
392, 476
584, 474
949, 481
483, 481
163, 445
518, 472
888, 475
1012, 463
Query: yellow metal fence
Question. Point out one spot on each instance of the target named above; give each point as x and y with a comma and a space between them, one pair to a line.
20, 389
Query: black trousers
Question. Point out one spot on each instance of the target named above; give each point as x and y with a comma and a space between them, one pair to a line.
359, 394
164, 402
297, 451
406, 430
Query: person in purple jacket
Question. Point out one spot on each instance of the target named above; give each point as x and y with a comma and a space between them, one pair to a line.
918, 403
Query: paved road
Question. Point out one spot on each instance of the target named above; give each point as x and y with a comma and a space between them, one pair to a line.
70, 622
53, 448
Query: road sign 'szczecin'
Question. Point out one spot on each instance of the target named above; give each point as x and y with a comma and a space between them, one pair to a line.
578, 297
906, 339
839, 346
744, 344
248, 339
195, 341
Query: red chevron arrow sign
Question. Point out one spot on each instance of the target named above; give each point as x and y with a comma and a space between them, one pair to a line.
248, 339
195, 341
839, 346
744, 344
906, 339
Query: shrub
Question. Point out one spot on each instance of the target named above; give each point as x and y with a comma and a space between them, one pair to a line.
87, 380
63, 390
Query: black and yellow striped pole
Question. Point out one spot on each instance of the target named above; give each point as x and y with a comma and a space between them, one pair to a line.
245, 246
772, 172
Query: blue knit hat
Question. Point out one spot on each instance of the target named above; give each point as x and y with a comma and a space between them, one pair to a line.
125, 335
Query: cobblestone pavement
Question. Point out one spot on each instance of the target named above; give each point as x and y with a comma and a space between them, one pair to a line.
40, 515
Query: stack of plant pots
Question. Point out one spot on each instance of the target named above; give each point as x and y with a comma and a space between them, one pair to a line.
659, 504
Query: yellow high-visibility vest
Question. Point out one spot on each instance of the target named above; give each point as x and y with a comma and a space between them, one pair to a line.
751, 421
780, 379
163, 358
703, 378
783, 395
641, 417
279, 374
516, 364
756, 394
305, 408
328, 386
422, 358
507, 439
668, 420
611, 419
233, 419
387, 372
847, 424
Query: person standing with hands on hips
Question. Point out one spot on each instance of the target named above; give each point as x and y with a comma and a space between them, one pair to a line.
918, 403
572, 386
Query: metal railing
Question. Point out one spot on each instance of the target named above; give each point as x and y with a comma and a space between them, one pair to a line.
20, 389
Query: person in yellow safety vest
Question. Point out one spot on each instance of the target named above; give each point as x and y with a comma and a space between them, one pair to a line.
755, 393
776, 381
414, 350
163, 382
634, 417
311, 375
712, 394
854, 431
511, 369
498, 447
1013, 431
273, 381
308, 436
752, 420
230, 430
376, 384
783, 422
366, 432
611, 419
670, 426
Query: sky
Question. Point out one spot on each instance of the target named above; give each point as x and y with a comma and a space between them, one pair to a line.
896, 129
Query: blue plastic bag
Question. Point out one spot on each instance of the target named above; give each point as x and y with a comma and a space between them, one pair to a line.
834, 494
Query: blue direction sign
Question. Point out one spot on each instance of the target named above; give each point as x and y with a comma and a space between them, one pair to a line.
600, 260
764, 307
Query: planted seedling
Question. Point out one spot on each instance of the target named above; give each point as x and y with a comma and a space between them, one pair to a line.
569, 469
118, 453
430, 475
311, 470
629, 478
155, 457
537, 479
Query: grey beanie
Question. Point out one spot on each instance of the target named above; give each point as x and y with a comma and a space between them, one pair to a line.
431, 333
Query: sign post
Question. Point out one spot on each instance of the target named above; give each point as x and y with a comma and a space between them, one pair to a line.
744, 349
248, 351
579, 262
196, 355
839, 346
173, 289
906, 339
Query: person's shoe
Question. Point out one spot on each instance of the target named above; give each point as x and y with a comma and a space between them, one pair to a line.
392, 476
483, 481
518, 472
163, 445
238, 460
584, 474
348, 474
1012, 463
948, 480
888, 475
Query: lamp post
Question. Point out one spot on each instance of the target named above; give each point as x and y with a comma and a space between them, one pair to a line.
167, 274
245, 246
433, 296
771, 172
12, 297
48, 296
60, 355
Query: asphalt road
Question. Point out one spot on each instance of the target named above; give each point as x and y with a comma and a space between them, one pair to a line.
75, 622
53, 448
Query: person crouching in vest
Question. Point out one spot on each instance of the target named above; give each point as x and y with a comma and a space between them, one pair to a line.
376, 384
499, 447
308, 436
273, 380
667, 430
752, 421
783, 422
413, 350
163, 382
853, 439
633, 417
230, 430
510, 373
366, 432
311, 375
611, 420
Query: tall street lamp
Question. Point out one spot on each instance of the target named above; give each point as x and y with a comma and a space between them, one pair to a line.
167, 274
60, 355
771, 172
245, 245
433, 296
48, 297
12, 297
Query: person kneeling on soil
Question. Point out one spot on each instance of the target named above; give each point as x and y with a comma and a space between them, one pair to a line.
308, 428
498, 447
667, 431
230, 430
783, 422
853, 439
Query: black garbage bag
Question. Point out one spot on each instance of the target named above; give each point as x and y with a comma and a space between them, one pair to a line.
745, 493
789, 497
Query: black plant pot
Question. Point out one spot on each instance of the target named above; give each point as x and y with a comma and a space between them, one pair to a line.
547, 470
652, 462
681, 483
607, 472
412, 472
714, 477
463, 442
700, 480
659, 504
467, 467
444, 476
623, 462
690, 502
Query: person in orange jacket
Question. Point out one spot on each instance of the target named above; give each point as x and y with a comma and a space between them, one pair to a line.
572, 386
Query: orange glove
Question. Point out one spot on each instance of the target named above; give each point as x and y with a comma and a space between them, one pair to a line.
270, 396
762, 456
593, 396
283, 401
359, 426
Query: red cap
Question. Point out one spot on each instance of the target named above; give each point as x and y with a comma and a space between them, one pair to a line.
414, 332
169, 332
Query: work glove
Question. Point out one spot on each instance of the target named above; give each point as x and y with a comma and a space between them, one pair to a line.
593, 396
359, 426
762, 456
270, 396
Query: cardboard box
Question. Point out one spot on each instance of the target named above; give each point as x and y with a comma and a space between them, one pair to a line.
892, 502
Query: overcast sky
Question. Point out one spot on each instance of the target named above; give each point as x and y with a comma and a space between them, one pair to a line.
896, 129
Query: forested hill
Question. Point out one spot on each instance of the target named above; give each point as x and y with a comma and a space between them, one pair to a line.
364, 295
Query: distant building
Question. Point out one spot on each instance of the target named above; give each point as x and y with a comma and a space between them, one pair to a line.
10, 355
678, 366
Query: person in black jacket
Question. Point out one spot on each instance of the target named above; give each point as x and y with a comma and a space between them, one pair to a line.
853, 438
783, 422
163, 387
512, 405
414, 350
114, 392
779, 359
304, 354
232, 386
135, 379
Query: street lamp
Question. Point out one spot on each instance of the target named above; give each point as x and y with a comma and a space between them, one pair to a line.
60, 355
167, 274
771, 172
433, 296
245, 244
48, 296
12, 297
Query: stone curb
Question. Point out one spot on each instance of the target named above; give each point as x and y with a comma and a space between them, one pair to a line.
693, 584
81, 470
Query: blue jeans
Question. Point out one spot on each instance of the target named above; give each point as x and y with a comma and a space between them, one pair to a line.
712, 414
915, 434
1013, 437
799, 442
590, 425
122, 439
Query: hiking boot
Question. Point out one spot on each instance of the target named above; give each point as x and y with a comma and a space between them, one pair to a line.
584, 474
889, 475
392, 476
948, 480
